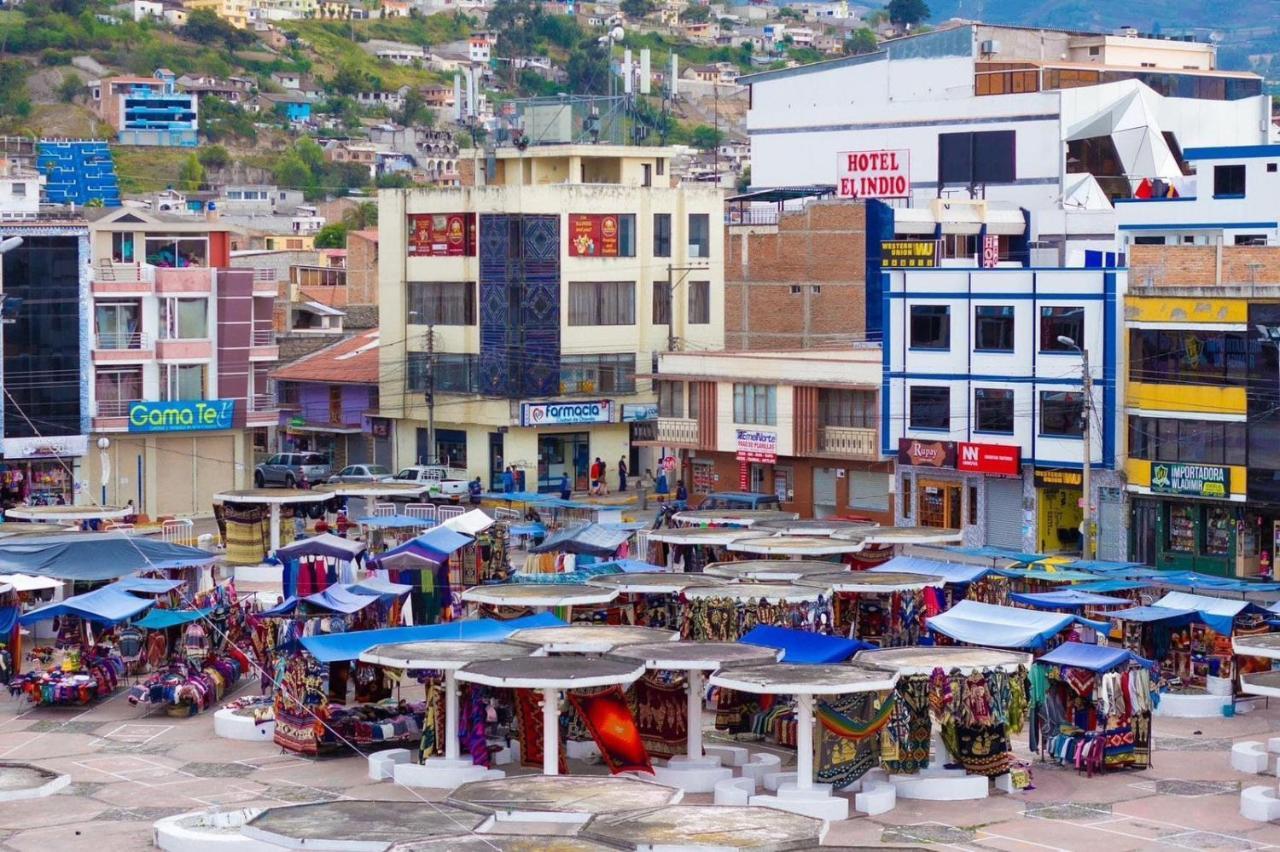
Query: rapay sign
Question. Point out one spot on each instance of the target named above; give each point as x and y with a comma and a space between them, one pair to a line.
566, 413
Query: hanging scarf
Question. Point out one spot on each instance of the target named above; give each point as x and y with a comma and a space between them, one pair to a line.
908, 739
845, 742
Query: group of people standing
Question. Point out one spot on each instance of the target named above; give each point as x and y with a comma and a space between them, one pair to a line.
600, 474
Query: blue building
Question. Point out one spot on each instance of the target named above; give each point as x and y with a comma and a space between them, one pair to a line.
148, 110
78, 172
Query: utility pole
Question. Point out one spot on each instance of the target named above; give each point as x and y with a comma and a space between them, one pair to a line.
671, 298
1086, 505
431, 394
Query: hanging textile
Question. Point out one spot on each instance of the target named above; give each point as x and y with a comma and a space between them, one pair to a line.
529, 719
981, 749
614, 730
661, 711
905, 740
431, 743
846, 740
473, 733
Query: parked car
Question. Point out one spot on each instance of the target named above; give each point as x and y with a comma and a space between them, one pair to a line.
287, 469
443, 483
740, 500
361, 473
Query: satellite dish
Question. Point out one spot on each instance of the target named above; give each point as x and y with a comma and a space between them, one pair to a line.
616, 33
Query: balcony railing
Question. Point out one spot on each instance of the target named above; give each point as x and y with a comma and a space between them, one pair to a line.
318, 276
122, 340
264, 337
853, 442
260, 274
262, 402
677, 431
113, 407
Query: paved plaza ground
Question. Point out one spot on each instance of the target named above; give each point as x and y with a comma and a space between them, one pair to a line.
129, 769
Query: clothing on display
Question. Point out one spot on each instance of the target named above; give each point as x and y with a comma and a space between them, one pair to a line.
661, 712
724, 619
847, 736
613, 728
529, 723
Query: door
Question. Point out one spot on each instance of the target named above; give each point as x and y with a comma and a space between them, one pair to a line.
1004, 512
824, 492
1109, 544
939, 504
496, 464
335, 404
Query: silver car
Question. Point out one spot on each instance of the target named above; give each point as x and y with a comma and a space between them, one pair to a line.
361, 473
287, 469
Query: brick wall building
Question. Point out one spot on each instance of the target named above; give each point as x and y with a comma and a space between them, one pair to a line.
362, 267
799, 283
1200, 266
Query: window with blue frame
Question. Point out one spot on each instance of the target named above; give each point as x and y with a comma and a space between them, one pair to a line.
993, 328
1228, 181
993, 410
1061, 414
931, 327
1065, 321
930, 407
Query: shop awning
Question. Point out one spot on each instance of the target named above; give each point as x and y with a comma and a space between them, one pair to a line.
146, 585
160, 619
1218, 613
339, 647
434, 547
101, 606
325, 544
1153, 614
590, 539
801, 646
1003, 626
94, 556
1095, 658
951, 572
1066, 599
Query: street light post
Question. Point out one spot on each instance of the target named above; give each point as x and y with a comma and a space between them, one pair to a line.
1087, 468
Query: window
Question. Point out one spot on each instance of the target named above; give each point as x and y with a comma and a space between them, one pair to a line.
118, 325
647, 180
1251, 239
182, 381
906, 496
662, 303
627, 235
993, 410
983, 157
993, 328
19, 187
870, 490
1271, 168
662, 166
177, 251
602, 303
1148, 241
184, 319
1228, 181
598, 373
852, 409
454, 373
1061, 322
695, 401
699, 235
699, 302
670, 399
661, 234
115, 388
930, 327
973, 505
122, 248
1061, 414
1188, 441
930, 407
1167, 356
755, 404
442, 302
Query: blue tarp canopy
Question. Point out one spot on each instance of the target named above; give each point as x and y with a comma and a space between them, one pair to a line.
1194, 580
515, 496
529, 528
1044, 575
1112, 569
801, 646
380, 587
589, 539
1095, 658
285, 607
434, 546
159, 619
339, 599
145, 585
1066, 599
1104, 586
1003, 626
325, 544
635, 566
391, 522
578, 576
1219, 613
1151, 614
94, 556
102, 606
550, 502
340, 647
993, 552
951, 572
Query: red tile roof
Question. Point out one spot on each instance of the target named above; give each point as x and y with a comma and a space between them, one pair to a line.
352, 361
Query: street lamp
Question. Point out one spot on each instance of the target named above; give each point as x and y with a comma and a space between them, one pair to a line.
1086, 527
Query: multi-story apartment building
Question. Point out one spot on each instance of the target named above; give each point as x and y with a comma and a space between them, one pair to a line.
19, 190
147, 110
983, 403
181, 349
545, 294
801, 425
234, 12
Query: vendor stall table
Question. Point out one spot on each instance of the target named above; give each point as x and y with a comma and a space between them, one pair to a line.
731, 517
538, 596
805, 682
588, 638
654, 582
694, 772
772, 570
449, 771
273, 498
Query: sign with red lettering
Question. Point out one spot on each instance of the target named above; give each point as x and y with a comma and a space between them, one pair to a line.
989, 458
757, 446
990, 251
593, 235
873, 174
442, 234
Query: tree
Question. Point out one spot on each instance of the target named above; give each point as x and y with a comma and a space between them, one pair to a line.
415, 112
214, 157
191, 175
349, 79
70, 86
331, 236
204, 27
636, 9
363, 215
908, 13
292, 173
588, 69
861, 41
695, 13
744, 180
705, 137
515, 22
786, 12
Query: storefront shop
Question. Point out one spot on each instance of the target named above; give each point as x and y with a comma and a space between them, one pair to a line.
1191, 517
976, 488
41, 471
1059, 510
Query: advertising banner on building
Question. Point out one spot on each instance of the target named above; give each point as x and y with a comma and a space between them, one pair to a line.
757, 446
989, 458
592, 235
442, 235
873, 174
926, 453
203, 415
1195, 480
908, 254
566, 413
1058, 479
45, 448
639, 412
990, 251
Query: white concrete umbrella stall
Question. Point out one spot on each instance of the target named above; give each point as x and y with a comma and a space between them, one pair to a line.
695, 771
273, 499
773, 570
550, 674
745, 518
805, 683
451, 770
815, 527
66, 514
656, 584
539, 597
588, 638
901, 536
856, 583
799, 547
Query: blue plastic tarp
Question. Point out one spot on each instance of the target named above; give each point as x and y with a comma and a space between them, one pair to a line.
102, 606
528, 528
339, 599
1112, 569
8, 619
160, 619
1104, 586
94, 556
590, 539
993, 552
380, 587
951, 572
326, 544
1194, 580
432, 547
577, 577
1003, 626
1219, 613
1066, 599
1177, 617
392, 522
1045, 576
285, 607
1095, 658
339, 647
801, 646
636, 566
145, 585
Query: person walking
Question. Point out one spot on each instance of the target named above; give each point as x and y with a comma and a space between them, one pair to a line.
565, 491
595, 477
682, 493
604, 477
622, 474
508, 480
474, 490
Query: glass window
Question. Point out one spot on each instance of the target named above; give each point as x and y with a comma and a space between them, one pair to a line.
115, 388
661, 234
1219, 529
661, 302
993, 328
184, 319
699, 302
122, 247
906, 495
118, 325
695, 405
442, 302
178, 251
627, 235
1194, 357
1228, 181
1182, 527
183, 382
454, 373
993, 410
699, 235
1061, 322
930, 327
1061, 414
598, 373
852, 409
602, 303
755, 404
670, 399
1190, 441
930, 407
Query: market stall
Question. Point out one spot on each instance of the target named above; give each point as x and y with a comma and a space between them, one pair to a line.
538, 597
884, 608
994, 626
83, 516
726, 613
561, 550
311, 564
743, 518
772, 570
588, 638
797, 547
251, 519
689, 549
649, 598
1090, 604
438, 564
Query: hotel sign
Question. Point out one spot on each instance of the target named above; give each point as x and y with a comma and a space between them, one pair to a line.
1195, 480
873, 174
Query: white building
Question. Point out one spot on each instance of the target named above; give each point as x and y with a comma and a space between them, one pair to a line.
19, 191
1056, 122
983, 402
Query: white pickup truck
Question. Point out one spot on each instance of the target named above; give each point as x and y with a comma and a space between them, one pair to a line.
443, 483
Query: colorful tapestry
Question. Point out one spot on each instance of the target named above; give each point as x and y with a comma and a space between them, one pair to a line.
905, 740
846, 744
1119, 748
433, 725
614, 730
661, 711
529, 716
981, 749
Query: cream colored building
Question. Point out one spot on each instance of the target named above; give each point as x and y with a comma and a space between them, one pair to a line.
546, 295
234, 12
